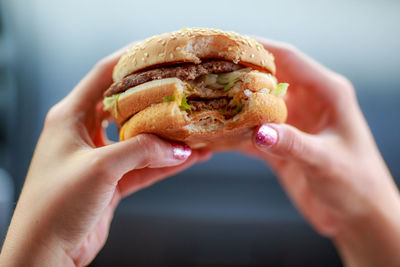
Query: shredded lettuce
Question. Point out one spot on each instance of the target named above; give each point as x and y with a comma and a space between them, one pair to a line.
190, 88
184, 105
116, 106
110, 101
169, 98
280, 90
211, 81
228, 77
223, 81
238, 108
230, 84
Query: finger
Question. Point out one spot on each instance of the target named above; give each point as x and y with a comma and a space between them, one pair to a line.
98, 234
89, 91
295, 67
138, 179
99, 126
142, 151
204, 154
286, 141
274, 162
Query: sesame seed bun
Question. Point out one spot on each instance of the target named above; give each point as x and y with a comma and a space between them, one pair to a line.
142, 96
218, 115
192, 45
169, 121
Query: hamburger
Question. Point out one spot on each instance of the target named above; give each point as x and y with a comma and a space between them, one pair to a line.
204, 87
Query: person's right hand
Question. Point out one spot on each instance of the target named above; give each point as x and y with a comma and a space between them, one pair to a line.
328, 163
77, 177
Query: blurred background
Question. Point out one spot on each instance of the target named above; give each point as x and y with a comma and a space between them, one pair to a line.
230, 210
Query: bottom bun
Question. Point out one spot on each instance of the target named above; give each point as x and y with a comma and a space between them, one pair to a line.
209, 129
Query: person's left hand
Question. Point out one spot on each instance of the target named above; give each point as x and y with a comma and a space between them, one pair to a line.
77, 177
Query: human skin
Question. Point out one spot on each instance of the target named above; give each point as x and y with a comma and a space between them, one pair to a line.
328, 163
325, 157
77, 177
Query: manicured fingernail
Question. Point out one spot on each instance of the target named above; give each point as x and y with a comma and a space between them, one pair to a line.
266, 136
181, 151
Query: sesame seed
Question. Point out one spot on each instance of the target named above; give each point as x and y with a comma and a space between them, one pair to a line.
161, 54
252, 55
230, 48
171, 56
163, 42
143, 59
159, 40
242, 53
262, 62
146, 54
178, 48
173, 37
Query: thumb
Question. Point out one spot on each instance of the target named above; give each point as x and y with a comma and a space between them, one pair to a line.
288, 142
141, 151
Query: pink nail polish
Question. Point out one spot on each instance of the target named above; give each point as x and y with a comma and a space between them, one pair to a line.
266, 136
181, 151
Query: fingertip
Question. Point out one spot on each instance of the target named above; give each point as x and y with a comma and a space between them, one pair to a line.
181, 151
265, 137
205, 154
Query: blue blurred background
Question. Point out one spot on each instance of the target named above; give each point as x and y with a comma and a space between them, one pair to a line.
230, 210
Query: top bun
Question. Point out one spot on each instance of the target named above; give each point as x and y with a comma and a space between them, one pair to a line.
191, 45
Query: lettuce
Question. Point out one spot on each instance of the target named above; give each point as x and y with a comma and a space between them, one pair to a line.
169, 98
238, 108
110, 101
280, 90
184, 105
116, 106
230, 84
223, 81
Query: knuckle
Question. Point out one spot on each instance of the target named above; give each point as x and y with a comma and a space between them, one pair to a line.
150, 146
295, 146
345, 84
101, 64
290, 48
290, 52
53, 115
98, 164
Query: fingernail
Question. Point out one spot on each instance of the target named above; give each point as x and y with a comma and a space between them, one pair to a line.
181, 152
266, 136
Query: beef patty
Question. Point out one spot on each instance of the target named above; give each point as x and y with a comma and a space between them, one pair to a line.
185, 72
200, 105
224, 105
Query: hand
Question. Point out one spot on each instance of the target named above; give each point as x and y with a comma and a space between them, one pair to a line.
77, 178
328, 163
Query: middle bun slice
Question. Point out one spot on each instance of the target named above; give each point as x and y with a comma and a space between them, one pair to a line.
202, 112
